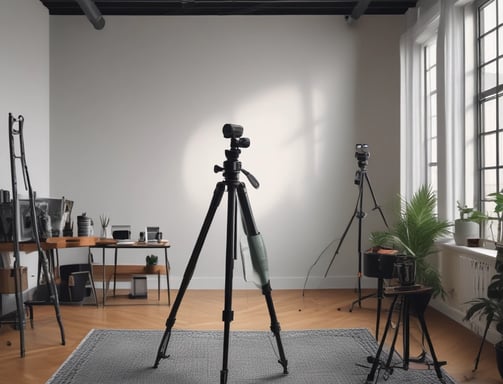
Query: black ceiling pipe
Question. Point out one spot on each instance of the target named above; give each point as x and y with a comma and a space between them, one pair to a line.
358, 10
92, 12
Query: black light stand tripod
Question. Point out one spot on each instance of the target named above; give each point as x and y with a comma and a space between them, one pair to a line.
361, 176
236, 192
42, 257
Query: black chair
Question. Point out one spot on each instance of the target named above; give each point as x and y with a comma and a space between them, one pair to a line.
74, 281
73, 287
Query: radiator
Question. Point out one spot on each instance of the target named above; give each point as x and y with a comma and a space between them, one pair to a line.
475, 275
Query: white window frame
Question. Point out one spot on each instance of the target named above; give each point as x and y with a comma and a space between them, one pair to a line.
455, 156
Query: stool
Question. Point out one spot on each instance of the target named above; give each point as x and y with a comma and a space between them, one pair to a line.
413, 298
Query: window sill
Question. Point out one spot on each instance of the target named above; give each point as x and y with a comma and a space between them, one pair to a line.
477, 251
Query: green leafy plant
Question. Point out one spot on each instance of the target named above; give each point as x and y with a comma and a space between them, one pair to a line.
498, 215
490, 307
470, 214
414, 233
151, 259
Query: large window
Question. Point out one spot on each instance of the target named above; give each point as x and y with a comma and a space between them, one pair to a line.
430, 118
490, 98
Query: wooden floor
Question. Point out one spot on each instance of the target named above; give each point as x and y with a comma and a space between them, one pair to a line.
202, 310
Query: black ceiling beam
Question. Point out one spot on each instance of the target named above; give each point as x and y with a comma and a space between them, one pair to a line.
234, 7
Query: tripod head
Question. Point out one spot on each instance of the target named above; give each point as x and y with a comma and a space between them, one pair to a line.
362, 155
232, 166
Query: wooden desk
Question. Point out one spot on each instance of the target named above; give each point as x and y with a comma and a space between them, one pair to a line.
53, 244
50, 246
128, 270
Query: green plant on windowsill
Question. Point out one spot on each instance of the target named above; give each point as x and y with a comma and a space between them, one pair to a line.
468, 224
470, 214
497, 217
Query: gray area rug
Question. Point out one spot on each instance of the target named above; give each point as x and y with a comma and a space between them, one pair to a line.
337, 356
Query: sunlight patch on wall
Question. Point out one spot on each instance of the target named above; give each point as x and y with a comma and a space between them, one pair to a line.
281, 135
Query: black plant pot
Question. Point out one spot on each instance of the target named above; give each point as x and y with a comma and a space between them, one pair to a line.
499, 356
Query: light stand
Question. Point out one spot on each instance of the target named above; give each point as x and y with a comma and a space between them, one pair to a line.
361, 177
236, 192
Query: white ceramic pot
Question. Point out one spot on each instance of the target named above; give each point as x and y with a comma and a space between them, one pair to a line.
464, 229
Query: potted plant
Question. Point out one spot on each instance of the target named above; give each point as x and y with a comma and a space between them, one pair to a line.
105, 229
151, 262
491, 307
414, 233
498, 217
468, 224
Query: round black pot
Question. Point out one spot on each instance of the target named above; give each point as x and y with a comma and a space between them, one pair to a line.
499, 356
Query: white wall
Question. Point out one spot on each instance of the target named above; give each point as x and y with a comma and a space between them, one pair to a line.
24, 90
136, 117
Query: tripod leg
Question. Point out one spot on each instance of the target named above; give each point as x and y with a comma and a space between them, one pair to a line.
355, 213
275, 326
230, 254
376, 206
260, 264
360, 214
189, 271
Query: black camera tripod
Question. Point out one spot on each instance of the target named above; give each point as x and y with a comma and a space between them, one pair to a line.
361, 176
236, 191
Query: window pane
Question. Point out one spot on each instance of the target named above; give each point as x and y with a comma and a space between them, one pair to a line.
488, 76
434, 126
488, 182
500, 12
488, 119
433, 178
432, 151
488, 47
500, 112
500, 39
488, 17
432, 79
500, 153
430, 94
489, 150
431, 55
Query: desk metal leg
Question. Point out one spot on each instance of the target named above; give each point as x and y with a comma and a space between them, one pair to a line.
104, 278
166, 263
115, 269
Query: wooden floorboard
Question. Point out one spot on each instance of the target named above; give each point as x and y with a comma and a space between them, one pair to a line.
202, 310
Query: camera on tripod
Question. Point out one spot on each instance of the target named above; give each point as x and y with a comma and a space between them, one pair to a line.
234, 132
362, 154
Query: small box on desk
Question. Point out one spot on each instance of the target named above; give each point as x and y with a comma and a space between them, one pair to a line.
8, 283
